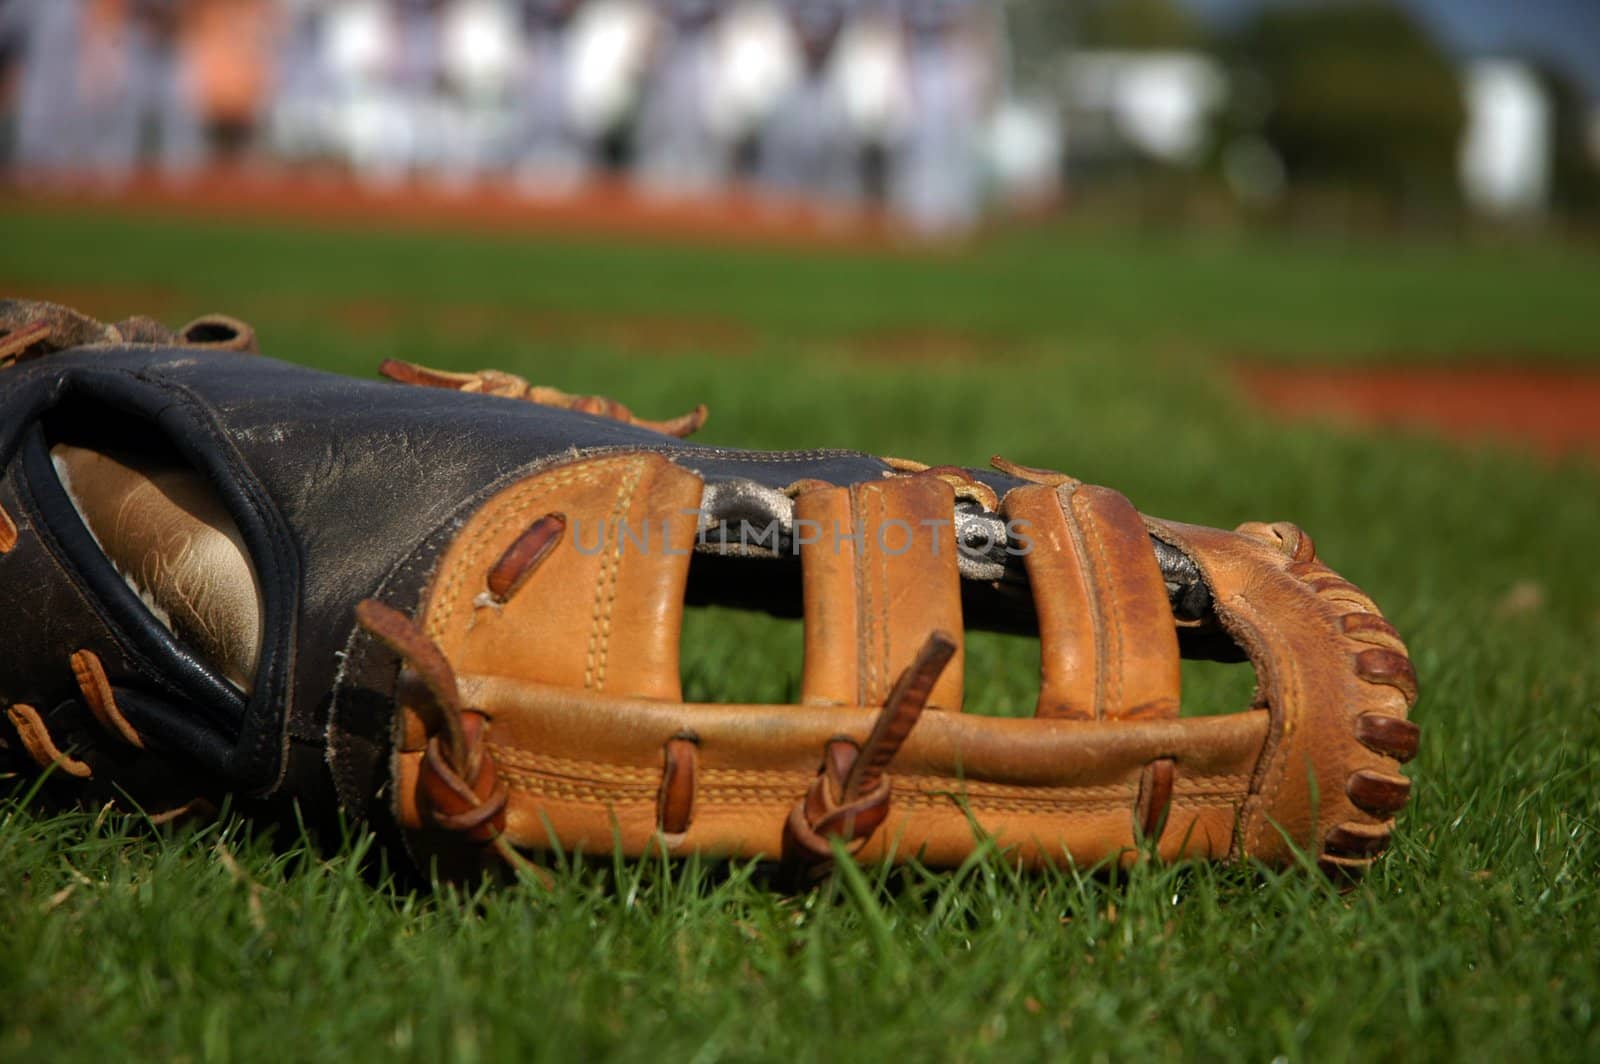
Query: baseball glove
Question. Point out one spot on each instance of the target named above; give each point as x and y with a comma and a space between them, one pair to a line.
451, 603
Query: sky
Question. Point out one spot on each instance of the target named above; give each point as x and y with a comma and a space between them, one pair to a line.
1565, 33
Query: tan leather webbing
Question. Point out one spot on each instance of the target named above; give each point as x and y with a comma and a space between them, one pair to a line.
565, 637
881, 572
604, 609
1108, 645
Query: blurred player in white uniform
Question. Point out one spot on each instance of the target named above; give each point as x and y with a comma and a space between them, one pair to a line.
369, 125
149, 84
551, 152
416, 80
936, 168
50, 129
678, 149
303, 113
480, 52
810, 146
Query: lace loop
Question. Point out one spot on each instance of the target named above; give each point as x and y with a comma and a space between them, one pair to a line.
459, 778
849, 799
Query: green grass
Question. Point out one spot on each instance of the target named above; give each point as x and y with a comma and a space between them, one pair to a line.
1090, 352
1216, 290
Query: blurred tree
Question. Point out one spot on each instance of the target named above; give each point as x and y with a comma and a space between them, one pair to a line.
1574, 177
1043, 31
1356, 100
1039, 33
1143, 25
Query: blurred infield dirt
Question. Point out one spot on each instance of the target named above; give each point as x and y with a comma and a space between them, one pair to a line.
1554, 411
485, 205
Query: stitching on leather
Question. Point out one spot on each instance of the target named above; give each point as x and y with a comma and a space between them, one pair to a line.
1209, 784
882, 649
577, 772
1109, 637
578, 768
1287, 672
757, 459
1072, 805
1091, 592
1024, 507
605, 599
866, 641
514, 507
1210, 801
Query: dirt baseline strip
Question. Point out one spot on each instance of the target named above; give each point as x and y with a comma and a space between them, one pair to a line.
1554, 411
494, 206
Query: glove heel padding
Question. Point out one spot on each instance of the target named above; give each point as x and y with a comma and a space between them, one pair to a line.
199, 661
177, 548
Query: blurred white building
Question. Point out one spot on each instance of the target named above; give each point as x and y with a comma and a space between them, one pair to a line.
1506, 151
1158, 103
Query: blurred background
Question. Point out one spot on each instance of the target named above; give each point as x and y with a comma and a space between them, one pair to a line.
1334, 263
925, 115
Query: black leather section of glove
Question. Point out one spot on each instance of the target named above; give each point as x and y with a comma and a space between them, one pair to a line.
342, 489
